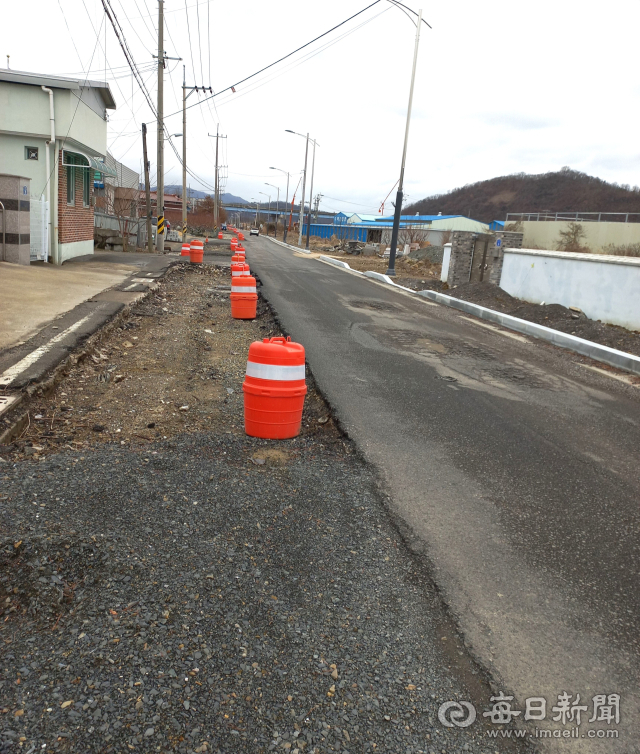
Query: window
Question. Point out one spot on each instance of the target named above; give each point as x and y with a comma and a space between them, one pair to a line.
86, 188
31, 153
71, 185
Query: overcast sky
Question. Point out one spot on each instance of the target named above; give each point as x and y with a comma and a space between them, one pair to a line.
501, 87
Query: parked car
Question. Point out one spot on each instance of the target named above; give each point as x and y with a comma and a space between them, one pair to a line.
254, 232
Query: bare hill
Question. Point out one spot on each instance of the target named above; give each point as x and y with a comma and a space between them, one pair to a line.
564, 191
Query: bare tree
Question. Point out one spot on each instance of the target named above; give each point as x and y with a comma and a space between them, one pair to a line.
412, 234
571, 239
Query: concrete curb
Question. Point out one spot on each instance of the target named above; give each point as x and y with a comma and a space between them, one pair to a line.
626, 361
287, 246
336, 263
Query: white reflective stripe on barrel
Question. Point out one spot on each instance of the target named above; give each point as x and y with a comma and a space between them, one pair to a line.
237, 273
275, 372
243, 289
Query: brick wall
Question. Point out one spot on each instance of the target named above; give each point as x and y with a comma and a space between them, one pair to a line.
74, 223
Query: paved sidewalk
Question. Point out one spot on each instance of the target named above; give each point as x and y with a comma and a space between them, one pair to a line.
49, 310
31, 297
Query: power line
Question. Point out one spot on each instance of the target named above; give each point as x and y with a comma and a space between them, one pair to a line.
302, 47
193, 68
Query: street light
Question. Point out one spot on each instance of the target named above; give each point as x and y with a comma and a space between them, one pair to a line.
269, 210
257, 205
277, 188
304, 181
398, 208
284, 232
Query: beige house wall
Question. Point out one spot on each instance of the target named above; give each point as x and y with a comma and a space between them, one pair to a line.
546, 235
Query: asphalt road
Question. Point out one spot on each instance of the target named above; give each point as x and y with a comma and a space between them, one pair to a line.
514, 465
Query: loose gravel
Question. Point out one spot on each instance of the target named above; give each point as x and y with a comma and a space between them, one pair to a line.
210, 592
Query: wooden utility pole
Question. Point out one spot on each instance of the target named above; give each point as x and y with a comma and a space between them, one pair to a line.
147, 188
160, 176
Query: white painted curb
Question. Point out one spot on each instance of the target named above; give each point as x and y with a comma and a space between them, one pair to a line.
336, 262
287, 246
611, 356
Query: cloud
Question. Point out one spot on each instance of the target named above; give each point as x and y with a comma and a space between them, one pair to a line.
517, 121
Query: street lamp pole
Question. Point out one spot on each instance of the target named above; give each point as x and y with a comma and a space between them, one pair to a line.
284, 233
277, 188
398, 208
269, 210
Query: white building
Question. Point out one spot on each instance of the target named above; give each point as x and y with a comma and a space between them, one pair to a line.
53, 133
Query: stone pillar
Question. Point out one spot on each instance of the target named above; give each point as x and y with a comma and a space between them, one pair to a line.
15, 195
462, 242
509, 240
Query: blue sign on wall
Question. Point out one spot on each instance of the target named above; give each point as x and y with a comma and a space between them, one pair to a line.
499, 242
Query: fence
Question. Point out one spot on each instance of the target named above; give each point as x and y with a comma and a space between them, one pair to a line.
572, 217
137, 227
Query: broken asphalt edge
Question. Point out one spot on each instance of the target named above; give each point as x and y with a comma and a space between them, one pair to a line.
619, 359
75, 354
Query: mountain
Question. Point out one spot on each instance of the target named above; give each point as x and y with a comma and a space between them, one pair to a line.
564, 191
195, 194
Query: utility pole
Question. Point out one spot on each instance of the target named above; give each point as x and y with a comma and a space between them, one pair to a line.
398, 208
184, 154
304, 181
185, 190
216, 206
160, 176
147, 188
313, 167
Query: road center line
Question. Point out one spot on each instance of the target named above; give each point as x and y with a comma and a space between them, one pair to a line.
10, 374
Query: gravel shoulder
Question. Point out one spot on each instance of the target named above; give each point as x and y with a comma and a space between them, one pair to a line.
168, 584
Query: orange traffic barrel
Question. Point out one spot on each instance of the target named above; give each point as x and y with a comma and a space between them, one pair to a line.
239, 269
237, 259
274, 388
241, 236
220, 236
186, 250
206, 240
241, 248
244, 297
197, 251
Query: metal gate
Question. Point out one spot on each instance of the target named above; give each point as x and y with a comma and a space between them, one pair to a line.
39, 230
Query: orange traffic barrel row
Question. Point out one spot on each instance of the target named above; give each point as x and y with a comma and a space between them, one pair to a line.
197, 251
244, 297
274, 388
186, 250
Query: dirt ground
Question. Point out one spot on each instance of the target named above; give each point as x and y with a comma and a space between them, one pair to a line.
416, 274
141, 386
550, 315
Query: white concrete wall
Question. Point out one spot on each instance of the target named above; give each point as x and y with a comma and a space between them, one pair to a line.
75, 249
446, 260
606, 288
24, 110
546, 235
